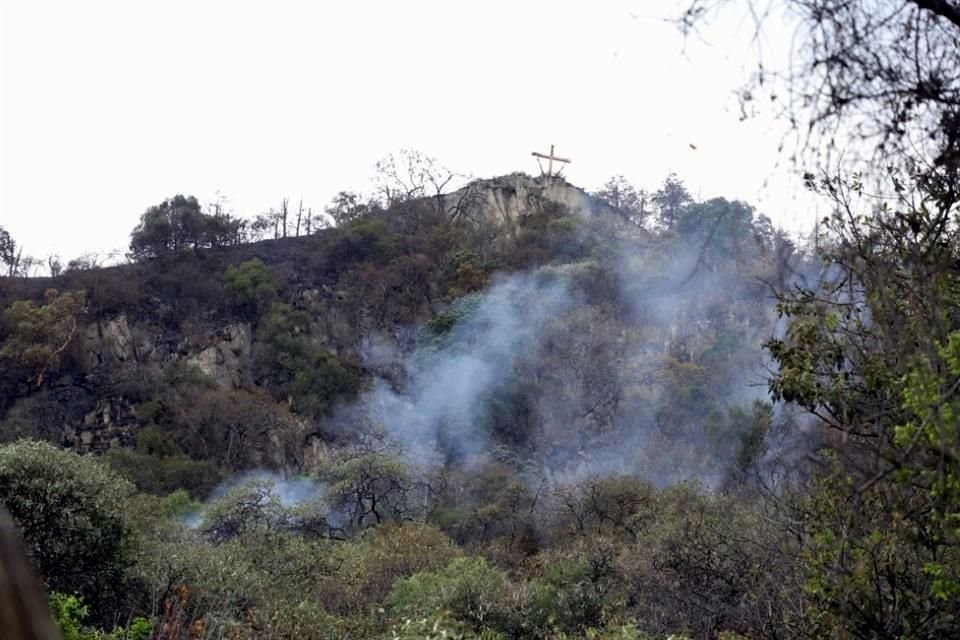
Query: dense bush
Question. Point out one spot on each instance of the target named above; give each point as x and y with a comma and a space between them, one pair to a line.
295, 368
365, 239
160, 474
75, 517
250, 286
469, 588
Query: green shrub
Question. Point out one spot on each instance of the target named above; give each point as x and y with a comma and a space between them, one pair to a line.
366, 239
570, 597
183, 374
74, 514
370, 565
250, 287
467, 587
316, 388
179, 504
69, 613
162, 474
294, 367
248, 507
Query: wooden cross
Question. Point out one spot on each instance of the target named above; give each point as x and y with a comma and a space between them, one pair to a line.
550, 158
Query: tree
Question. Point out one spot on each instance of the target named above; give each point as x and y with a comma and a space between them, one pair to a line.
178, 224
412, 175
74, 515
671, 199
9, 255
870, 349
54, 265
874, 79
252, 505
39, 335
250, 286
346, 207
308, 376
368, 488
625, 198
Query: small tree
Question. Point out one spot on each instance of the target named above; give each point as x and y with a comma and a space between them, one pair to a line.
632, 203
346, 207
9, 255
369, 488
250, 286
672, 199
39, 335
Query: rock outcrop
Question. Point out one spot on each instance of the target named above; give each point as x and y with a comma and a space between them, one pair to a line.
227, 361
506, 199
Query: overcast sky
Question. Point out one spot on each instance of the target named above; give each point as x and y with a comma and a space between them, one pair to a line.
110, 107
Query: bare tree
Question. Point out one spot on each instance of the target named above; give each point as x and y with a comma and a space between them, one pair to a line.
879, 79
412, 175
54, 265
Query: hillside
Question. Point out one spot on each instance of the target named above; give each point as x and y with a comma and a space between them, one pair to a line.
464, 362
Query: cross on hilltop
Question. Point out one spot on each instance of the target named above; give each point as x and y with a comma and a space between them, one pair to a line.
550, 159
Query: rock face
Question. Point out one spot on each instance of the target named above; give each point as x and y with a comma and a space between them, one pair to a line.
227, 360
110, 342
109, 425
504, 200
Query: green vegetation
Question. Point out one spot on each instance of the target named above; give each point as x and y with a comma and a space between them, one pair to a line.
250, 287
76, 517
291, 366
378, 545
179, 224
39, 334
440, 421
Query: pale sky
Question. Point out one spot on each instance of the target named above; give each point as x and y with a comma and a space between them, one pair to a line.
111, 107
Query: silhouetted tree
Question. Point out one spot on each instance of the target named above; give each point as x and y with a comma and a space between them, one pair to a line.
672, 199
179, 223
625, 198
9, 253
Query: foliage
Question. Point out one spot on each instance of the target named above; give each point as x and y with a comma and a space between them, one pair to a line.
294, 367
179, 223
179, 504
469, 588
368, 488
870, 353
571, 596
39, 335
69, 613
243, 429
75, 518
459, 311
250, 286
249, 506
160, 474
367, 238
377, 559
8, 252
